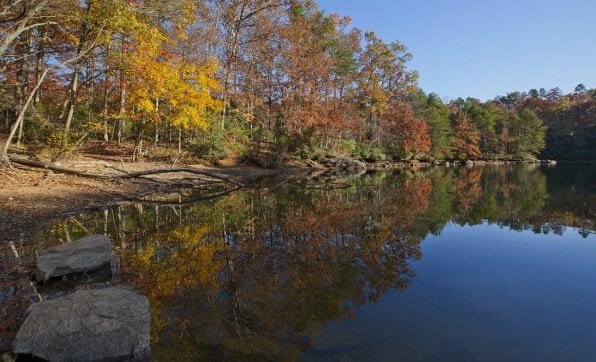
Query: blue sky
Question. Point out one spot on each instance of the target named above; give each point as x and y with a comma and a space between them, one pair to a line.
486, 48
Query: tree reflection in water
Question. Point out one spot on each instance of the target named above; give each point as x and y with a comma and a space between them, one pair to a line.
256, 274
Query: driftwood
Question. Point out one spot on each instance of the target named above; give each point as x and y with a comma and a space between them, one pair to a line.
128, 175
53, 167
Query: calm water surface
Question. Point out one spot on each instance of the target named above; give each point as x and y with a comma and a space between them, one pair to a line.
479, 264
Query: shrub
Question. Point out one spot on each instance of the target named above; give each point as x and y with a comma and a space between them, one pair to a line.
211, 145
306, 152
363, 151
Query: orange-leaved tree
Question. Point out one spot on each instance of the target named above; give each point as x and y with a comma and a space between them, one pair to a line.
466, 138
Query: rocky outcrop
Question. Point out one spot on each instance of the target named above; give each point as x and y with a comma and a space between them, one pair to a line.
81, 256
110, 324
344, 164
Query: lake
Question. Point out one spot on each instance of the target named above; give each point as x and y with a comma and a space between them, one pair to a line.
486, 263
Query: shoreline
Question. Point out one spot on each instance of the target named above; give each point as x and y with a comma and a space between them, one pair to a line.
32, 197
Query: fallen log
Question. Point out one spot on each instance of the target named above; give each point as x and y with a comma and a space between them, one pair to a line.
53, 167
172, 170
129, 175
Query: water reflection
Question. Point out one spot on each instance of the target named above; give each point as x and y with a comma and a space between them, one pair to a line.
257, 274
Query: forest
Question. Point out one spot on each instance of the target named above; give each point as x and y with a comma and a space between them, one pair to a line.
261, 80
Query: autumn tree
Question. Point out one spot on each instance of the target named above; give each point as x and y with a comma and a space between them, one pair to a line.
405, 136
437, 117
60, 15
384, 81
466, 138
261, 79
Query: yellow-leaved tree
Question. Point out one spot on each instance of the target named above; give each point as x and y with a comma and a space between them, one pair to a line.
164, 86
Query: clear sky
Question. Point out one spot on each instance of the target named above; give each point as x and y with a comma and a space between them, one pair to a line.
483, 48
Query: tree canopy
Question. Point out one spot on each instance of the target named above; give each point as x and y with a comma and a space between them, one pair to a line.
262, 79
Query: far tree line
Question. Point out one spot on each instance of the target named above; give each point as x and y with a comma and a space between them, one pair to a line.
263, 79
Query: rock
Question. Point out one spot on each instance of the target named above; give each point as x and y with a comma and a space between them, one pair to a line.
344, 163
90, 325
469, 163
352, 164
88, 254
384, 165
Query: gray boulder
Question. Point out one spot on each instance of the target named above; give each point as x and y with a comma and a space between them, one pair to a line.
344, 163
352, 164
88, 254
110, 324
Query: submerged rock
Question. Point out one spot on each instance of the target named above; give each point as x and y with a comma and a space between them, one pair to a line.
90, 325
88, 254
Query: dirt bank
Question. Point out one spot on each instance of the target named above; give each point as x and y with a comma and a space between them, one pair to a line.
31, 197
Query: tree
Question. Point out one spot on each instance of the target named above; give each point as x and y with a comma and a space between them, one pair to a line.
163, 86
487, 119
406, 136
529, 133
437, 116
384, 81
466, 138
554, 94
239, 24
581, 88
69, 15
19, 17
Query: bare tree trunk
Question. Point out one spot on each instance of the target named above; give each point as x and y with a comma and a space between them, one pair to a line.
69, 104
24, 78
68, 108
156, 137
122, 110
106, 97
138, 142
21, 117
39, 64
179, 139
20, 104
20, 135
91, 87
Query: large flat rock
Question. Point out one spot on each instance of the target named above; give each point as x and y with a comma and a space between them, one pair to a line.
88, 254
110, 324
